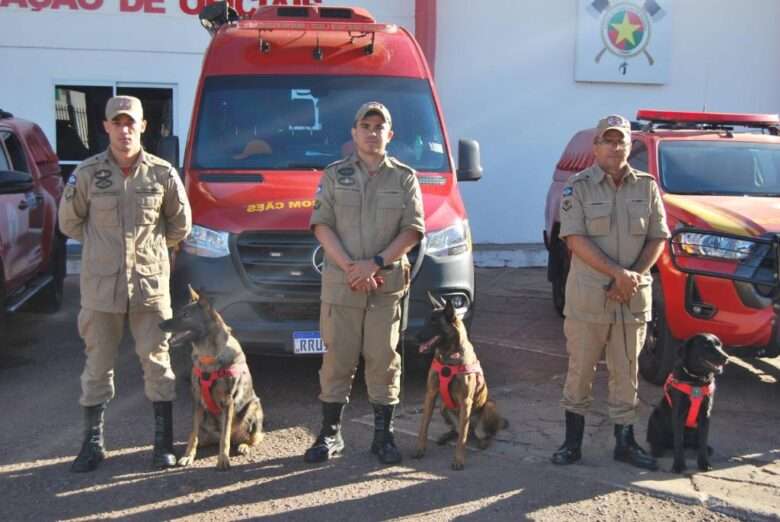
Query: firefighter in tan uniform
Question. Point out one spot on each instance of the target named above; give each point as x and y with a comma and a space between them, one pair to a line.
127, 208
368, 215
613, 220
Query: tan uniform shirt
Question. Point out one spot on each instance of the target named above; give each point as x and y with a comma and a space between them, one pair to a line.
619, 221
126, 225
367, 213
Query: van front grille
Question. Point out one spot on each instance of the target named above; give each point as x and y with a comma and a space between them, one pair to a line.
280, 259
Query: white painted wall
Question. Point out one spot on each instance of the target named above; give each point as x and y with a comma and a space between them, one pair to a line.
504, 70
505, 74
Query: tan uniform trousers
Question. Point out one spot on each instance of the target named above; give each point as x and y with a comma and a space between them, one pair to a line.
102, 332
586, 342
349, 332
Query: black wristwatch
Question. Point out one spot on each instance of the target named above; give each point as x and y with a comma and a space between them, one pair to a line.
379, 261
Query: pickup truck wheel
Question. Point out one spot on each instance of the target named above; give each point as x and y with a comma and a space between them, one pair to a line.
660, 350
558, 270
49, 300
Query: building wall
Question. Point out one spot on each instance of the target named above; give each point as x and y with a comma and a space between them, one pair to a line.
505, 73
504, 70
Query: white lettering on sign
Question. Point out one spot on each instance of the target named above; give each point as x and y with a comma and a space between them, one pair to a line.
188, 7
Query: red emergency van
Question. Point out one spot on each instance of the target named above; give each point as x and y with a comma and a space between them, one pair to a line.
275, 102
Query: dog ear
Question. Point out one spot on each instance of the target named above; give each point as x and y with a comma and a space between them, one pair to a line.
193, 294
435, 303
449, 312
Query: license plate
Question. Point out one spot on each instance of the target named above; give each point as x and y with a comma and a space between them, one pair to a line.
307, 342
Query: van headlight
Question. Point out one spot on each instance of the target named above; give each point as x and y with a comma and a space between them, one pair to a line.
204, 242
450, 241
713, 245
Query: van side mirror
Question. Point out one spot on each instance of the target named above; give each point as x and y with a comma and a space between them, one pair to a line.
168, 149
469, 166
13, 182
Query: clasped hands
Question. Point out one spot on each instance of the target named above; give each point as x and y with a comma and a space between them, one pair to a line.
624, 285
362, 277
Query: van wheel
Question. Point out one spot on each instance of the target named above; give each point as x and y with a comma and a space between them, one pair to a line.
49, 300
558, 270
660, 349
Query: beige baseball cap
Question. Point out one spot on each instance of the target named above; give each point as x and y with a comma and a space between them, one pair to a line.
129, 105
613, 122
374, 107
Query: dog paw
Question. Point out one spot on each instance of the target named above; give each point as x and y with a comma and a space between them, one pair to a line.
242, 449
185, 461
457, 465
678, 467
223, 463
419, 453
704, 465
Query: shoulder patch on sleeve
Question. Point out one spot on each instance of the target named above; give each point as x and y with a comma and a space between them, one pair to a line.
567, 191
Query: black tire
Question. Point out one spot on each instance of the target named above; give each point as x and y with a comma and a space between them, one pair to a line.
558, 270
49, 300
660, 350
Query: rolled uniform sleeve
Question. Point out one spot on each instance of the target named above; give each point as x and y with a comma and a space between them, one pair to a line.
323, 213
571, 214
657, 229
74, 206
414, 215
176, 209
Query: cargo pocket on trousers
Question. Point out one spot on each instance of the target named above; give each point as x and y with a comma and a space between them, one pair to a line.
598, 215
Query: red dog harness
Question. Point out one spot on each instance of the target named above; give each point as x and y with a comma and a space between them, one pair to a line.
207, 380
447, 372
696, 394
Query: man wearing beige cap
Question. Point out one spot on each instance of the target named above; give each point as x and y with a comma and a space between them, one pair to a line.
613, 221
367, 215
127, 208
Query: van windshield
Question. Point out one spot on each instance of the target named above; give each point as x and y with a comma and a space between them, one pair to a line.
304, 122
720, 168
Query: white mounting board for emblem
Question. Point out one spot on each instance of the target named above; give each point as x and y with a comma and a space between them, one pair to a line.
623, 41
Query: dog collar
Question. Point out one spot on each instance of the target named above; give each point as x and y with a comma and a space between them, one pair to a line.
207, 380
446, 373
695, 393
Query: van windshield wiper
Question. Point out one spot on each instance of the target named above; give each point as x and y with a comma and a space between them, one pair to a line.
314, 166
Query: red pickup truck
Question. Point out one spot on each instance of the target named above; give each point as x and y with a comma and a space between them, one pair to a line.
32, 250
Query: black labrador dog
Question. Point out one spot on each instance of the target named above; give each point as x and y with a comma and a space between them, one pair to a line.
682, 418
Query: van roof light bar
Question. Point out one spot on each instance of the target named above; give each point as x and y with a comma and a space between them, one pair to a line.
688, 119
215, 15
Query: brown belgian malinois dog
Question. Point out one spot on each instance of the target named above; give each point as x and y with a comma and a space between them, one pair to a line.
457, 378
226, 409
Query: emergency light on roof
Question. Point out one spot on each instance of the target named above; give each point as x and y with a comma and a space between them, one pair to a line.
353, 21
708, 118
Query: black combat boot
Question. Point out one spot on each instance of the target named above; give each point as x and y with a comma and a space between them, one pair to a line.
627, 450
571, 450
92, 450
163, 456
383, 445
329, 443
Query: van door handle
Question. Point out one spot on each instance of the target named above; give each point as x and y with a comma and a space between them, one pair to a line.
23, 205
